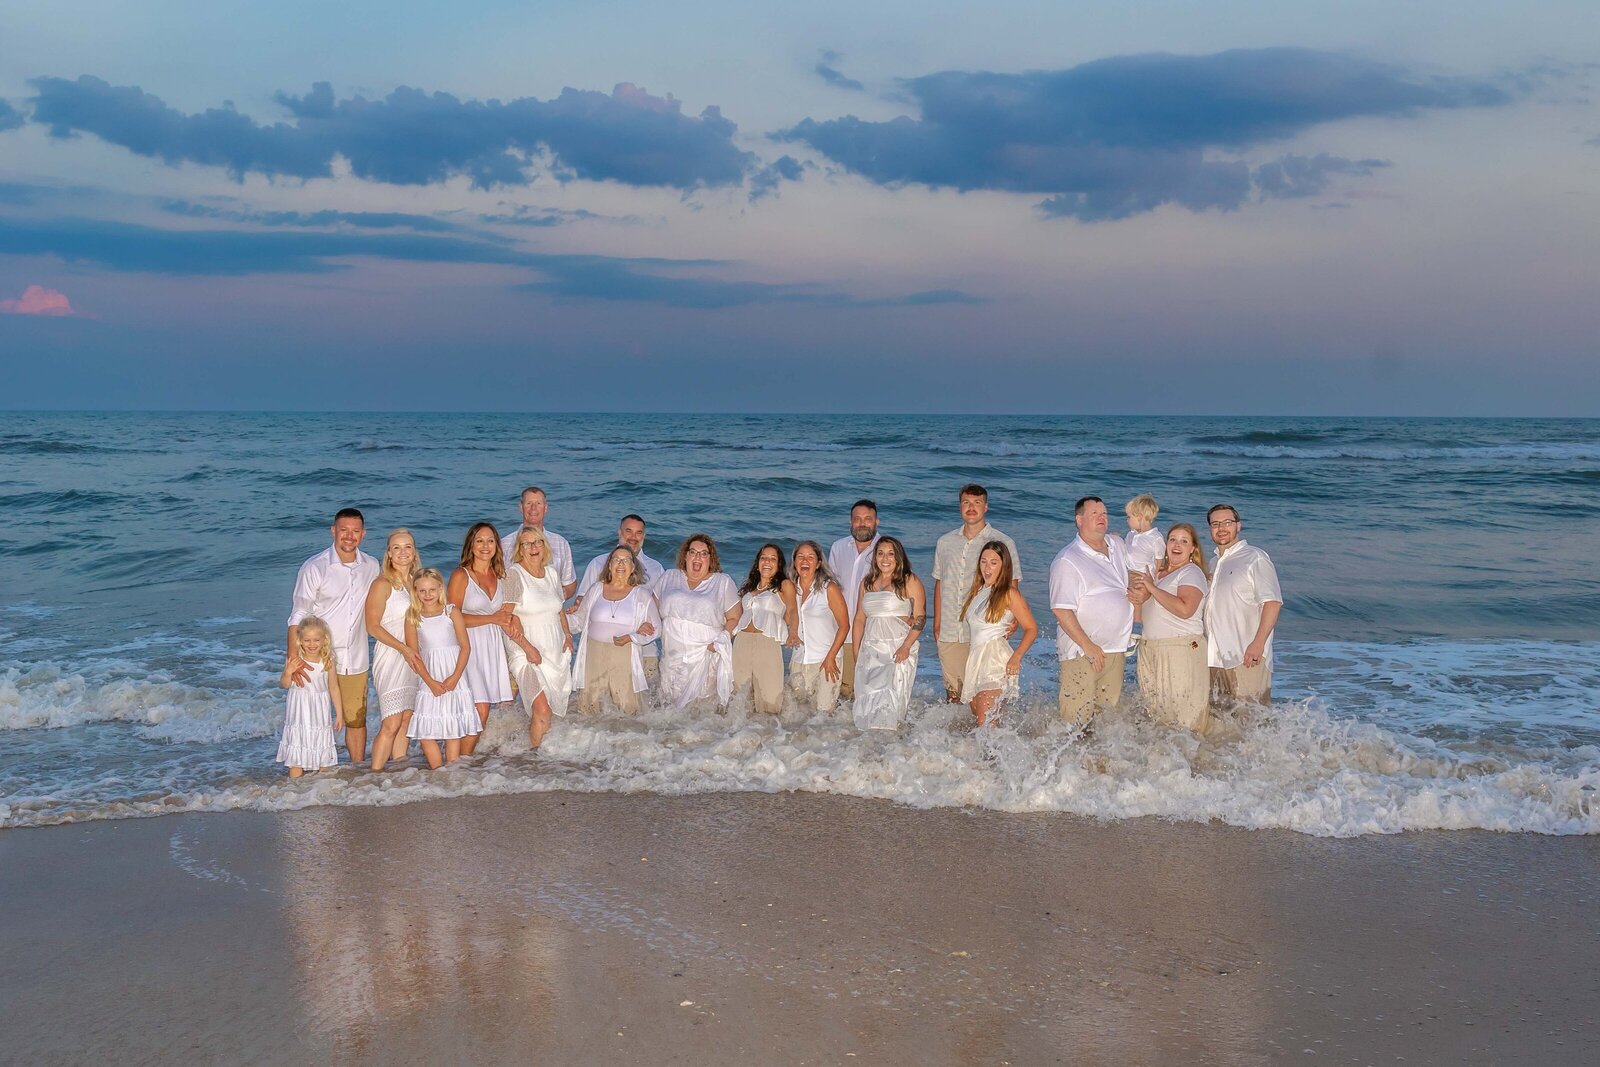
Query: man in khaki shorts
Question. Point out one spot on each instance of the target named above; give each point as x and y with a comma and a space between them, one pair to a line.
1090, 598
333, 585
955, 561
1241, 612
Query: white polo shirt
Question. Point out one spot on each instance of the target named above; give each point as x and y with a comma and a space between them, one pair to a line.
1094, 587
1244, 580
955, 561
851, 568
560, 552
336, 592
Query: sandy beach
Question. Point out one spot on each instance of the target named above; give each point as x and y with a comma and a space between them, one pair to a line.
748, 928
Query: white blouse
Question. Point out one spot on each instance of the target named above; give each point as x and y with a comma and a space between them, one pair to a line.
765, 611
818, 627
1159, 622
706, 603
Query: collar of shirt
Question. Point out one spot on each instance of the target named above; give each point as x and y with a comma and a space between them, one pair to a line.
1224, 553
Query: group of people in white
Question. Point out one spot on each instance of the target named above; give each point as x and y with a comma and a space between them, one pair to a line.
502, 627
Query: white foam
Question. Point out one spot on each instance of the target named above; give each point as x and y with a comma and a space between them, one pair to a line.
48, 696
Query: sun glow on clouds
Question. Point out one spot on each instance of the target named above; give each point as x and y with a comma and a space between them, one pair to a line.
37, 300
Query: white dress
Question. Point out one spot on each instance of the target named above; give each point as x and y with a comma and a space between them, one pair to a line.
307, 740
988, 652
537, 602
883, 687
447, 717
488, 675
696, 651
396, 683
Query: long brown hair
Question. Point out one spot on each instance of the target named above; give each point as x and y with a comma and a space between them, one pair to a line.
1197, 555
498, 563
902, 566
1000, 595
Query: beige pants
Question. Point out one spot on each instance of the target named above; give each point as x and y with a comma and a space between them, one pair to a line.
758, 663
1252, 684
953, 665
847, 672
1085, 691
1175, 681
812, 688
353, 699
608, 673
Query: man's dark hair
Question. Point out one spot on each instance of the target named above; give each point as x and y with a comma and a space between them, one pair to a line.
871, 505
1222, 507
635, 518
1084, 501
974, 489
350, 513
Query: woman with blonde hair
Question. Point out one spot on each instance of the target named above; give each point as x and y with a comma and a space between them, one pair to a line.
394, 663
699, 611
1173, 676
618, 618
540, 657
477, 591
993, 604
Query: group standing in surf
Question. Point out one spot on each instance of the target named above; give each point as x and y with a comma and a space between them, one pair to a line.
514, 622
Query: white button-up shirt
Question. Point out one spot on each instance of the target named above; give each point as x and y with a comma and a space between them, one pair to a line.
955, 561
1094, 587
336, 592
851, 568
1244, 580
560, 552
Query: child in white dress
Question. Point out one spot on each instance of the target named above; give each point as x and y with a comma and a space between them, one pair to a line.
444, 705
312, 713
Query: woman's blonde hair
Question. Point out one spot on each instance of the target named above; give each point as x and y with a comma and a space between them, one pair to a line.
1000, 595
529, 531
394, 577
427, 574
1197, 555
313, 623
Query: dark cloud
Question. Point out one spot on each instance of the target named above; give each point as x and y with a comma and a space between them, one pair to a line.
1295, 176
768, 178
830, 74
1119, 136
10, 117
363, 220
415, 138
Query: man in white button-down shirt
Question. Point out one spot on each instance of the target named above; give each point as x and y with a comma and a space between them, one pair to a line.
955, 561
1240, 612
850, 560
333, 586
535, 506
1090, 598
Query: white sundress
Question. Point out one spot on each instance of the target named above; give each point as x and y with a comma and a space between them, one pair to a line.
988, 653
442, 718
488, 676
883, 687
538, 602
392, 677
307, 740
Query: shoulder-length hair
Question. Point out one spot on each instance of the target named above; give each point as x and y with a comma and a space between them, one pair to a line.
1197, 555
902, 565
498, 563
428, 574
314, 622
824, 575
392, 576
711, 546
636, 579
781, 575
529, 531
995, 610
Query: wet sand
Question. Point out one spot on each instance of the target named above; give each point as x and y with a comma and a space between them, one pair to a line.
600, 928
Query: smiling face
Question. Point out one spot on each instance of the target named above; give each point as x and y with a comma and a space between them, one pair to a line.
429, 591
863, 524
767, 563
973, 509
883, 558
631, 533
484, 546
805, 562
313, 642
347, 535
402, 552
1224, 523
534, 508
989, 565
1092, 521
697, 560
1180, 547
532, 547
621, 567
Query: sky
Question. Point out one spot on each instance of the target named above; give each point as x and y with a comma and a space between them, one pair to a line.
1158, 208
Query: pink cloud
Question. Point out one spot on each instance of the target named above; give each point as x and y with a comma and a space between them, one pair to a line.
37, 300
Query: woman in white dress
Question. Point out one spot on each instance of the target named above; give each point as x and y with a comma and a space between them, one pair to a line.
890, 615
1173, 677
767, 618
540, 657
444, 704
618, 618
822, 629
394, 663
699, 611
476, 592
993, 604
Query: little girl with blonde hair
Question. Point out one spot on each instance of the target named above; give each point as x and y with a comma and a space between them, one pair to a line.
312, 712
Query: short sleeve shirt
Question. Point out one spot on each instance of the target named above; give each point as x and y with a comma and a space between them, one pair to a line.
1094, 587
955, 561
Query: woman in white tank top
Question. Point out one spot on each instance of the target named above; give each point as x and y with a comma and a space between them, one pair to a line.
394, 663
823, 628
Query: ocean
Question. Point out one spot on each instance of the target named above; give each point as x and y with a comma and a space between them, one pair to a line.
1438, 659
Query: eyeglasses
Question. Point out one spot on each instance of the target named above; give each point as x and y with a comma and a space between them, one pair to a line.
1224, 522
698, 552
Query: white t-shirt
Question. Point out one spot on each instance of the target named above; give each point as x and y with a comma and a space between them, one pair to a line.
560, 552
1243, 580
851, 568
1159, 622
336, 592
955, 561
1145, 548
1093, 586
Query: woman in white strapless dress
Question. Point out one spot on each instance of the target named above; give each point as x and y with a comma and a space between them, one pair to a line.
394, 664
890, 616
540, 658
993, 605
476, 591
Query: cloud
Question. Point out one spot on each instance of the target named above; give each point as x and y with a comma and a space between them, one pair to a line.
415, 138
366, 220
830, 74
1295, 176
767, 180
10, 117
37, 300
1120, 136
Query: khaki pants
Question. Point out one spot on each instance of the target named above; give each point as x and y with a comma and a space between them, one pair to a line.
953, 665
1174, 680
353, 699
812, 688
758, 662
652, 668
847, 672
1252, 684
608, 673
1085, 691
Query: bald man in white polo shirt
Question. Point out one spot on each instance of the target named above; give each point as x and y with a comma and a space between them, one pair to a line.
1091, 601
1240, 613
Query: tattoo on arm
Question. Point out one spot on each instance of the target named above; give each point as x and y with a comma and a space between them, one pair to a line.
918, 622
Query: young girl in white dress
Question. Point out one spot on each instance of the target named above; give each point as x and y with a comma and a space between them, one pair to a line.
993, 604
394, 664
435, 630
476, 592
890, 616
312, 713
540, 657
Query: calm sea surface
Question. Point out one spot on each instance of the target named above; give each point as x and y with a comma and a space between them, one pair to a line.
1438, 665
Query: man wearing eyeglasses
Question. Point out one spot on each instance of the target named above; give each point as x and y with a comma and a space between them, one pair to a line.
1240, 612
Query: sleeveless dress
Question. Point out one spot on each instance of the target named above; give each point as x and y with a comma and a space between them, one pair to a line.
394, 680
307, 740
488, 676
883, 687
988, 651
450, 716
537, 602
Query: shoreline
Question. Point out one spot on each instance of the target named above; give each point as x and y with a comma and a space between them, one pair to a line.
801, 928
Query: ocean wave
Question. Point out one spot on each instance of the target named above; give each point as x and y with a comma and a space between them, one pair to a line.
1103, 451
48, 696
53, 503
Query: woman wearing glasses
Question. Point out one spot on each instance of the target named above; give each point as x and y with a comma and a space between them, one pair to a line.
699, 612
